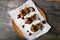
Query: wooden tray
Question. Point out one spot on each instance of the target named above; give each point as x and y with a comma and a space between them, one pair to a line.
19, 33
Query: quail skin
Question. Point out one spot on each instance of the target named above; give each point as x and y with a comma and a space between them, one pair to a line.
30, 19
36, 27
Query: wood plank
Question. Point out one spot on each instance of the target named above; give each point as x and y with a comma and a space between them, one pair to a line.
53, 0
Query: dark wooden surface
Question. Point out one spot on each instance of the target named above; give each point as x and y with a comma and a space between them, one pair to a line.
53, 0
52, 11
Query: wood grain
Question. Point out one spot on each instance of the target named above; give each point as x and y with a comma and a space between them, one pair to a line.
53, 0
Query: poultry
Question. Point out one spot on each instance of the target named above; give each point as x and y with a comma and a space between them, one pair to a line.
30, 19
36, 27
24, 11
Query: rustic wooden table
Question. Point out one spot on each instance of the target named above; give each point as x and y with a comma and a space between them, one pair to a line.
52, 11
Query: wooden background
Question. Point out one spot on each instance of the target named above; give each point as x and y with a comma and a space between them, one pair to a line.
52, 11
53, 0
